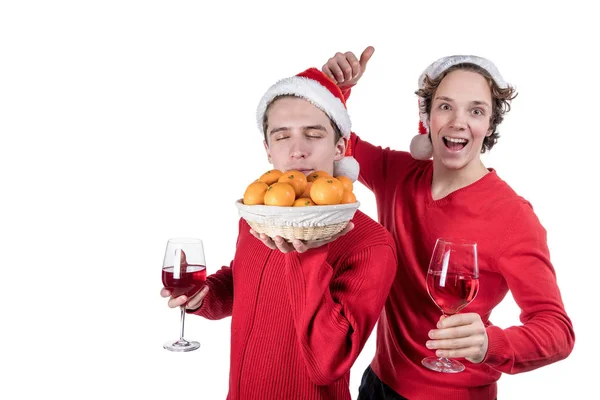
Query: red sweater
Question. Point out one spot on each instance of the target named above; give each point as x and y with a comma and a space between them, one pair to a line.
299, 321
513, 255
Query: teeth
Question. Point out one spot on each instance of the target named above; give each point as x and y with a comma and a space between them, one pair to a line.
455, 140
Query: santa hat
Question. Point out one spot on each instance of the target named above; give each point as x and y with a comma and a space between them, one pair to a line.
317, 88
420, 145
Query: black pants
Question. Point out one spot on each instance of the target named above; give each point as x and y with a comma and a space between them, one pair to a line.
371, 388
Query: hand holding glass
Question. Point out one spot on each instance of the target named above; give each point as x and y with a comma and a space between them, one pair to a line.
183, 274
452, 283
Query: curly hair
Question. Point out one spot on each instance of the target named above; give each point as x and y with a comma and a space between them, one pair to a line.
501, 99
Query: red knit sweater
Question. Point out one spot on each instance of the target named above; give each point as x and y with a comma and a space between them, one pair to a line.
513, 255
299, 321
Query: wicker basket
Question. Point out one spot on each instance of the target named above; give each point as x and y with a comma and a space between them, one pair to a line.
304, 223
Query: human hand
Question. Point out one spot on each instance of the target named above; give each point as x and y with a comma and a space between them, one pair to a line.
297, 245
345, 69
460, 335
193, 303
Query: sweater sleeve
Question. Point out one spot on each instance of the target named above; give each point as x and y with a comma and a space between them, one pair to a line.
218, 302
334, 315
546, 334
372, 161
369, 157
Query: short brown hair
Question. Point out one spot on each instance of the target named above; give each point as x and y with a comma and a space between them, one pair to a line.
501, 99
265, 122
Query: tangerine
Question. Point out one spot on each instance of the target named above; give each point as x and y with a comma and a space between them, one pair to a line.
296, 179
326, 191
280, 194
303, 202
348, 197
316, 174
306, 192
347, 182
255, 193
270, 177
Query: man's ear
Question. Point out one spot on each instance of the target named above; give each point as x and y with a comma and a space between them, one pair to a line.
340, 149
268, 152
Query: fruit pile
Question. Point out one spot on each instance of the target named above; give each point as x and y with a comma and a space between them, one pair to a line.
293, 188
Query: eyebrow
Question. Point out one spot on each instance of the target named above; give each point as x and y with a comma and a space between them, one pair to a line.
475, 102
304, 128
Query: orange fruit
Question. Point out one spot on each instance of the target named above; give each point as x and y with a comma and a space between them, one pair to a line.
348, 197
255, 193
326, 191
316, 174
280, 194
347, 182
306, 192
303, 202
270, 177
296, 179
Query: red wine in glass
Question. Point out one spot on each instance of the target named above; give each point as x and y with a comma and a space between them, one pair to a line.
191, 279
456, 292
183, 273
452, 283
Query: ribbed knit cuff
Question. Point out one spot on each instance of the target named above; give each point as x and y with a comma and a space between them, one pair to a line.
497, 345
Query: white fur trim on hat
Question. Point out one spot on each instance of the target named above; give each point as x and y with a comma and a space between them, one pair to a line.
347, 166
438, 67
311, 91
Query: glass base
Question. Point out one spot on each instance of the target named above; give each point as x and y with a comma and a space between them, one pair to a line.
181, 346
443, 365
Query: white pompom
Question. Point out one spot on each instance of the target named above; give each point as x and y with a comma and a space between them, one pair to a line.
347, 166
421, 147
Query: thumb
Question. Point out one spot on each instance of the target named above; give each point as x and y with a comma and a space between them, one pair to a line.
366, 56
196, 301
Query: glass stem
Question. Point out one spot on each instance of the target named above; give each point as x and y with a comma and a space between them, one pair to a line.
181, 339
445, 360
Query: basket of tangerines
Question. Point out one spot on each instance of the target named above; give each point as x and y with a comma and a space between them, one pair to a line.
295, 206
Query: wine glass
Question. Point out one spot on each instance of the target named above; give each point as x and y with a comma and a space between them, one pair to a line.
452, 283
183, 273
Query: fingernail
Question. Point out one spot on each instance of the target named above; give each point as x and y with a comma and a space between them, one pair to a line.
428, 344
430, 334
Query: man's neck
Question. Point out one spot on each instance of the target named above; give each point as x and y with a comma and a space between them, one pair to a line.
446, 181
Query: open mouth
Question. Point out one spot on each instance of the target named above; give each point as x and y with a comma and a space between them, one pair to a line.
455, 144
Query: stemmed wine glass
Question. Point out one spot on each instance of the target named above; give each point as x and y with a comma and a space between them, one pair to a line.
452, 283
183, 273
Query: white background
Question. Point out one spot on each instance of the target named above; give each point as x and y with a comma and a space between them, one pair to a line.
124, 123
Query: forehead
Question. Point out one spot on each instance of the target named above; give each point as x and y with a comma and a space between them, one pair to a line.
465, 85
293, 108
